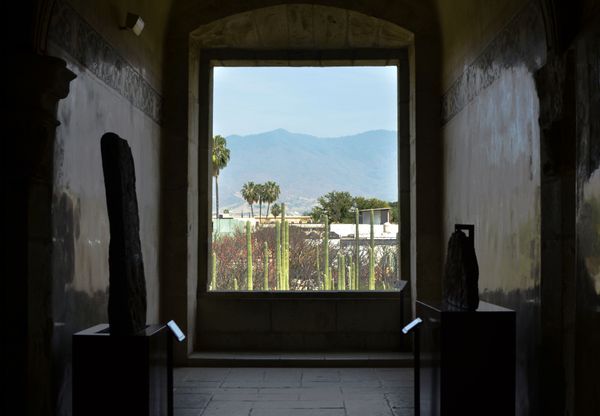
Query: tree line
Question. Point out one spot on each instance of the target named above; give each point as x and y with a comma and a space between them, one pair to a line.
260, 193
340, 207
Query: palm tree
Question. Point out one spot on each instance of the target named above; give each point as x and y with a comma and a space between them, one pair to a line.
220, 158
260, 194
250, 195
272, 192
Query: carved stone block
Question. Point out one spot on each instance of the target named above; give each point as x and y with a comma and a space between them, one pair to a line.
127, 289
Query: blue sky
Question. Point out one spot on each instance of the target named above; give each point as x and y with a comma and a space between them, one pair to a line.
324, 102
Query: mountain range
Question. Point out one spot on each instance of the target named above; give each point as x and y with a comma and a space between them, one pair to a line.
307, 167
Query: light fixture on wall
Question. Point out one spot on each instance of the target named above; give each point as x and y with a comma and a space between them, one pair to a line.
134, 23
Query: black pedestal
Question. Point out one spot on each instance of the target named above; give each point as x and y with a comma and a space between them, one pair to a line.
121, 375
467, 361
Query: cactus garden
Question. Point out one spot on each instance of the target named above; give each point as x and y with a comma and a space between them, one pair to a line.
281, 256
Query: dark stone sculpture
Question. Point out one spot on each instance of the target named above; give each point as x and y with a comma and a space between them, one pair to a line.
127, 289
461, 291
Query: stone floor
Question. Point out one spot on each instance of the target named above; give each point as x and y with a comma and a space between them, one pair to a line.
293, 391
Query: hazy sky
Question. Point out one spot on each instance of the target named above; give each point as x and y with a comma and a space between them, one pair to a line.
324, 102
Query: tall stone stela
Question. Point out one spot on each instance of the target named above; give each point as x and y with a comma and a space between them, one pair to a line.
127, 284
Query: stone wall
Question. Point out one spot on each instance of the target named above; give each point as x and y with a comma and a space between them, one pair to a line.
520, 161
491, 153
586, 394
116, 90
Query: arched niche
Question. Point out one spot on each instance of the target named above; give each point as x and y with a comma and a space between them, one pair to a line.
297, 34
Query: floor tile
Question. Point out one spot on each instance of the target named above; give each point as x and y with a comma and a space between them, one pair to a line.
190, 401
293, 391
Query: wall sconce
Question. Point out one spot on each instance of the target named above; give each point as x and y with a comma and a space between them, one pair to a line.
134, 22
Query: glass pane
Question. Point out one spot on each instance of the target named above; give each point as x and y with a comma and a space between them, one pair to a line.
305, 179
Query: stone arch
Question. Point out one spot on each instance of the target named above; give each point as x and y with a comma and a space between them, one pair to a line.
417, 17
300, 26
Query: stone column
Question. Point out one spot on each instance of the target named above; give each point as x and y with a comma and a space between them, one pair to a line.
33, 88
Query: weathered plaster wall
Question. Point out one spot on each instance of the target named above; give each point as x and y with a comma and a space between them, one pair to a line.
468, 26
491, 159
116, 90
143, 53
521, 155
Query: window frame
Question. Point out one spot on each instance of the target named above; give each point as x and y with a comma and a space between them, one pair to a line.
211, 58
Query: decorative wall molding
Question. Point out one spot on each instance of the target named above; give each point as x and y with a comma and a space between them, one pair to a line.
74, 35
522, 41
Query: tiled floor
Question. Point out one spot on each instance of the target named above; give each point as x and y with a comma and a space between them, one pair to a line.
293, 391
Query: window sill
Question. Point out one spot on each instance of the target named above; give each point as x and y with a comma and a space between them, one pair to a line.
298, 295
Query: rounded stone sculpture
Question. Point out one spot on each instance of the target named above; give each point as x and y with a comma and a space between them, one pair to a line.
461, 291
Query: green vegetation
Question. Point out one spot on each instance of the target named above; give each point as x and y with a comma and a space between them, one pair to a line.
276, 210
260, 195
352, 283
220, 158
317, 263
271, 193
249, 253
356, 263
213, 281
372, 230
326, 273
266, 267
341, 272
278, 258
313, 262
285, 250
250, 195
267, 192
287, 255
339, 206
371, 268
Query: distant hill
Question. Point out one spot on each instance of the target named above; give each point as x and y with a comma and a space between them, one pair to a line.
306, 167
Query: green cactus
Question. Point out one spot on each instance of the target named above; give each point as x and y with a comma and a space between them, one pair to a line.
318, 265
213, 280
372, 229
235, 284
283, 251
326, 254
371, 269
372, 251
278, 255
266, 267
286, 247
341, 272
335, 284
287, 256
350, 273
356, 249
350, 262
249, 254
391, 264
